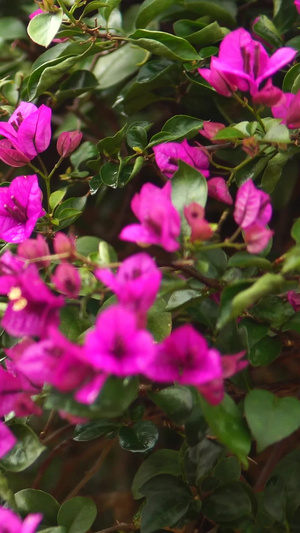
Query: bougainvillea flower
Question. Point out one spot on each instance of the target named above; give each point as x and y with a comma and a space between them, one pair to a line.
167, 156
67, 280
244, 63
217, 189
288, 109
257, 237
184, 357
67, 142
20, 207
117, 346
15, 395
35, 248
294, 299
160, 221
64, 244
11, 155
32, 308
252, 205
7, 442
35, 13
200, 228
136, 283
268, 95
297, 5
11, 523
210, 129
28, 129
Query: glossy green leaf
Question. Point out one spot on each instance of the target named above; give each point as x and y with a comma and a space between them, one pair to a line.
164, 44
213, 8
227, 297
6, 494
87, 244
114, 68
211, 263
176, 402
150, 9
159, 320
268, 283
78, 83
265, 351
295, 231
58, 529
244, 260
159, 462
265, 28
227, 503
56, 197
291, 82
278, 134
196, 34
36, 501
177, 128
228, 134
77, 515
270, 418
167, 500
93, 430
43, 27
200, 460
111, 145
25, 452
188, 185
252, 170
136, 137
228, 469
141, 437
84, 152
182, 297
228, 425
273, 172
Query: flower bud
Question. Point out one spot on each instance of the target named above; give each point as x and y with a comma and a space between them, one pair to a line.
67, 280
67, 142
200, 228
63, 244
34, 248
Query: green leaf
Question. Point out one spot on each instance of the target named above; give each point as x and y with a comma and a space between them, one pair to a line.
111, 145
93, 430
229, 133
115, 67
268, 283
43, 27
48, 73
188, 185
244, 259
265, 351
86, 151
212, 263
36, 501
265, 28
228, 469
295, 231
176, 402
270, 418
180, 298
25, 452
168, 499
71, 324
56, 197
159, 321
77, 515
273, 171
252, 170
116, 395
227, 423
291, 81
159, 462
196, 34
227, 297
136, 137
86, 245
278, 134
292, 260
213, 8
177, 128
150, 9
111, 5
164, 44
78, 83
11, 28
6, 494
200, 460
255, 331
227, 503
53, 530
141, 437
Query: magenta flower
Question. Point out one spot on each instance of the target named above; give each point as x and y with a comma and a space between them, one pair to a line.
117, 346
167, 156
184, 357
244, 64
297, 5
210, 129
67, 280
7, 441
20, 207
15, 394
200, 228
11, 523
160, 221
257, 237
288, 109
136, 283
35, 13
32, 308
252, 205
28, 131
33, 249
217, 189
64, 244
11, 155
67, 142
294, 299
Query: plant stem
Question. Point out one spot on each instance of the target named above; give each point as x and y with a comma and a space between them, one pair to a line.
55, 167
66, 11
37, 170
252, 110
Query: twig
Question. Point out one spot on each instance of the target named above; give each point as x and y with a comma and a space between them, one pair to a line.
90, 473
119, 527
